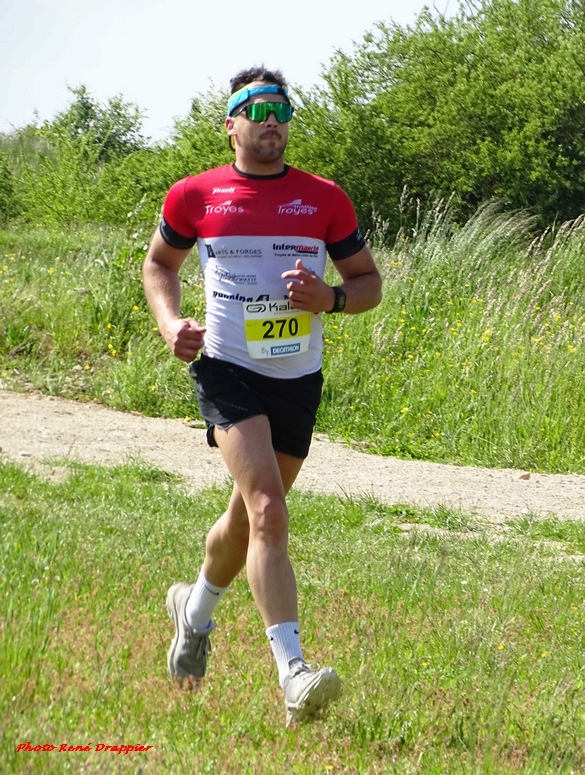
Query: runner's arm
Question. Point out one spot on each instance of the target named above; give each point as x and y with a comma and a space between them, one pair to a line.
184, 336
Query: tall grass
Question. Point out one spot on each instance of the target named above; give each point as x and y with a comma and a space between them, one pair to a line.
76, 323
459, 653
475, 356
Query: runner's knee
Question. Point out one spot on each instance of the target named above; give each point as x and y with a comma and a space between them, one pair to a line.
268, 519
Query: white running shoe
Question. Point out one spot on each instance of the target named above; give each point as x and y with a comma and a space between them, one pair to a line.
307, 691
187, 656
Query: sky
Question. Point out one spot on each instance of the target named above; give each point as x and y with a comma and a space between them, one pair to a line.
159, 54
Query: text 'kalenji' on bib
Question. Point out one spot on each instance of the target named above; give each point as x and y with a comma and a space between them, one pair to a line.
274, 330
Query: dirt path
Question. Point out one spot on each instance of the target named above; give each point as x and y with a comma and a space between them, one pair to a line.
36, 429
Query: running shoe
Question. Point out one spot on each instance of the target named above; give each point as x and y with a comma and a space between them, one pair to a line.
307, 691
189, 650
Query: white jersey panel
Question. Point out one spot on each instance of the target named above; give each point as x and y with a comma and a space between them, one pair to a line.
247, 269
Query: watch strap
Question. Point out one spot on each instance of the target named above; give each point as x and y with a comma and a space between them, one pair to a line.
340, 298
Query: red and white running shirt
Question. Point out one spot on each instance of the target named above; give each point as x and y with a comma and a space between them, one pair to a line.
249, 230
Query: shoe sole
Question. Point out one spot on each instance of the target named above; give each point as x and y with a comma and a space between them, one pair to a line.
326, 689
174, 614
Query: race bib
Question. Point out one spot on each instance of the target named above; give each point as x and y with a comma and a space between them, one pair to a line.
274, 330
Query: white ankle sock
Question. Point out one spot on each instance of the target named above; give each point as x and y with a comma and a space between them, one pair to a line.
285, 642
201, 604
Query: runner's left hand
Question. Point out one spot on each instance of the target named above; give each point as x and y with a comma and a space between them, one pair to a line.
307, 291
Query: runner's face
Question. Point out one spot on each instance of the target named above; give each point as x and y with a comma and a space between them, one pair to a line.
264, 141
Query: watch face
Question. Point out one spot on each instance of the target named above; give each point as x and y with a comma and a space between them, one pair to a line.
340, 297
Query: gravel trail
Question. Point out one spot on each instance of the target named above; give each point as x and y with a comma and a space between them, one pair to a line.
36, 430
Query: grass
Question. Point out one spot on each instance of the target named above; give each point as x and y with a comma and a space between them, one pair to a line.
77, 323
476, 355
459, 653
571, 535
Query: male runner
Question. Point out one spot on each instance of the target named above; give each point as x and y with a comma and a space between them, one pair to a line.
262, 229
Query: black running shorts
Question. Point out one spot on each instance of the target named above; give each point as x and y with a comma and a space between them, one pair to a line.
228, 394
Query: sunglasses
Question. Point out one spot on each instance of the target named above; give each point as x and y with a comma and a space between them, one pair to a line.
259, 111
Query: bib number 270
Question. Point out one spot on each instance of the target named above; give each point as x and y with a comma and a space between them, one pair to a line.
277, 329
274, 330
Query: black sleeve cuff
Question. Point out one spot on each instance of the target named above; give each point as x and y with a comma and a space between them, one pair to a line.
346, 247
174, 239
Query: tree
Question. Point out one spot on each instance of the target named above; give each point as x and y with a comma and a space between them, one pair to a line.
114, 128
62, 165
488, 103
199, 141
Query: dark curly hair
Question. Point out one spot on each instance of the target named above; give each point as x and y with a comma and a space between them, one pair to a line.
244, 77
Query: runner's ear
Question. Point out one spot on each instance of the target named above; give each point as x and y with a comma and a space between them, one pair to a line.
229, 124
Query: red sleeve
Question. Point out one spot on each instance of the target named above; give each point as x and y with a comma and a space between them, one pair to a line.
176, 212
343, 235
344, 221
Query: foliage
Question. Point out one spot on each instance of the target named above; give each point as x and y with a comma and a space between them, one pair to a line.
92, 164
474, 354
136, 184
8, 200
72, 169
486, 103
114, 129
200, 141
61, 184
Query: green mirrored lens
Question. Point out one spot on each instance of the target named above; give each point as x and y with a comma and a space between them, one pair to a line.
259, 111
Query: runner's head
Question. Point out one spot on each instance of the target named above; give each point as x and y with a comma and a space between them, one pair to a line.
253, 74
258, 130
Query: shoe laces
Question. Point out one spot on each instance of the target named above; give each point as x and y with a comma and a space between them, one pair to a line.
300, 667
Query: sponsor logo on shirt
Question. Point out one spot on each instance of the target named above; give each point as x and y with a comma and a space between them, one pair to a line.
284, 249
224, 190
239, 297
230, 277
231, 296
296, 207
224, 208
233, 252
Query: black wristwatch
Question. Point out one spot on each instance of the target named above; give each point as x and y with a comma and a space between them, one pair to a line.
340, 299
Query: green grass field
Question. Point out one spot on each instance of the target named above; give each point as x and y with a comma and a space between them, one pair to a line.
460, 647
